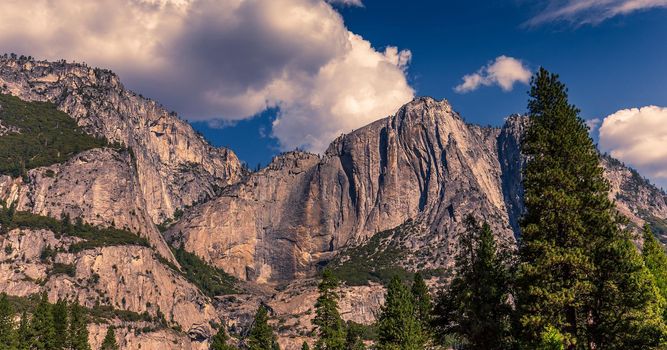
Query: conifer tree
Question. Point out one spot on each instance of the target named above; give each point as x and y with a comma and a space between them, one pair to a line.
109, 342
8, 336
398, 325
78, 330
219, 340
353, 339
331, 329
60, 321
474, 307
24, 332
42, 325
577, 269
655, 259
423, 303
261, 335
305, 346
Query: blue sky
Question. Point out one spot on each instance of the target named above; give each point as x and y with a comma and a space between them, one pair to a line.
617, 64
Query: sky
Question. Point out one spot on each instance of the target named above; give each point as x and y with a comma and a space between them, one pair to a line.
265, 76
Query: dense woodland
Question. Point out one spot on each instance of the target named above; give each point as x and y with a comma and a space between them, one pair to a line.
579, 279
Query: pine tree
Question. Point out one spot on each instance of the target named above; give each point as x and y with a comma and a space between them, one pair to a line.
261, 335
42, 325
60, 321
24, 332
305, 346
331, 329
655, 259
474, 307
8, 336
398, 325
219, 340
78, 329
109, 342
577, 268
354, 338
422, 299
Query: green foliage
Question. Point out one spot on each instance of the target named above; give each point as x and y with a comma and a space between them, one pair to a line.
305, 346
354, 340
93, 236
78, 330
45, 136
211, 280
655, 259
551, 339
261, 336
60, 321
43, 326
109, 342
375, 260
578, 272
219, 341
65, 269
399, 327
422, 300
331, 328
474, 309
8, 335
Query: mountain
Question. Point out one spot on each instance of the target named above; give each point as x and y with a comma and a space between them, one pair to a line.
390, 197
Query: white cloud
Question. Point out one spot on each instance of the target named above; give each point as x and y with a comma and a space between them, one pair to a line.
224, 59
593, 124
591, 11
347, 2
638, 136
504, 72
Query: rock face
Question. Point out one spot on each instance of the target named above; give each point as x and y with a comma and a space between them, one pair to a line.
423, 163
175, 167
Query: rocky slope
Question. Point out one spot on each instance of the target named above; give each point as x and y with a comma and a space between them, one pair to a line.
175, 167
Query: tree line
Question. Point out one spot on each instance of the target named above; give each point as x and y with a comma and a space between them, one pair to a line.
47, 326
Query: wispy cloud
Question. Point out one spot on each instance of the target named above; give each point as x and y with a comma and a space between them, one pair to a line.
503, 71
357, 3
581, 12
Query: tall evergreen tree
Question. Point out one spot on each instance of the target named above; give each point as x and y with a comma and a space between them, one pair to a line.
219, 340
24, 332
577, 267
474, 307
60, 321
261, 335
399, 327
109, 342
78, 328
8, 336
655, 259
331, 329
354, 337
43, 327
422, 298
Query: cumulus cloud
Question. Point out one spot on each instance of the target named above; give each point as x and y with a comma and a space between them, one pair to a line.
582, 12
593, 124
503, 71
638, 136
224, 59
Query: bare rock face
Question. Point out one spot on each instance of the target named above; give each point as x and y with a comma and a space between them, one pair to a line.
175, 166
100, 186
123, 277
424, 164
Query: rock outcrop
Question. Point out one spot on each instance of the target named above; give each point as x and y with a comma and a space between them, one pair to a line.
175, 166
